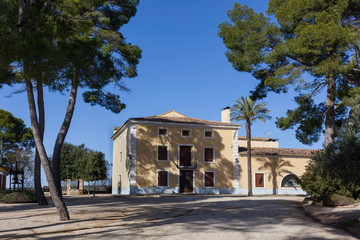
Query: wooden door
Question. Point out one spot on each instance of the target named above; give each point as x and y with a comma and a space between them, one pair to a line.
185, 156
186, 180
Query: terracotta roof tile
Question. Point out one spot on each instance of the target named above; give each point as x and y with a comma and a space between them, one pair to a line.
185, 120
280, 152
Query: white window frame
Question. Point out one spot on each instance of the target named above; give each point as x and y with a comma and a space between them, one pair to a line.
254, 180
212, 134
286, 176
168, 152
157, 177
193, 154
186, 129
167, 132
213, 161
204, 178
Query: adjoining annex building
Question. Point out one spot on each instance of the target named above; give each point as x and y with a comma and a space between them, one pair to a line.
174, 153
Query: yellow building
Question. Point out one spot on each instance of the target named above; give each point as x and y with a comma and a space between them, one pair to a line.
174, 153
2, 178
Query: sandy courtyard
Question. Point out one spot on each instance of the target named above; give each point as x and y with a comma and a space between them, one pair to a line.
167, 217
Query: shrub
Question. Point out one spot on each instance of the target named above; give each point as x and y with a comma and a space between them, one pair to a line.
338, 200
18, 197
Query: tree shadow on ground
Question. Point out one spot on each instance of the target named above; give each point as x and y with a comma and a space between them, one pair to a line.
135, 217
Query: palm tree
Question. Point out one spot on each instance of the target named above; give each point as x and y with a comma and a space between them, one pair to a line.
246, 109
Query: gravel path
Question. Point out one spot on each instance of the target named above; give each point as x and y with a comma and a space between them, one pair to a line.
167, 217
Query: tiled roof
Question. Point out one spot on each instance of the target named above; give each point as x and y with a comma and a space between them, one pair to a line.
280, 152
182, 119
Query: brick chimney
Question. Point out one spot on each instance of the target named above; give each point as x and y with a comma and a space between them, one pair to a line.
225, 115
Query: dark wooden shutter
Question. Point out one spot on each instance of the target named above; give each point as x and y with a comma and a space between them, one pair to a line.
209, 154
162, 131
259, 180
162, 153
185, 155
209, 179
162, 178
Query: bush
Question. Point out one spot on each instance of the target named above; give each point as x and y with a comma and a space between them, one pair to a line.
338, 200
18, 197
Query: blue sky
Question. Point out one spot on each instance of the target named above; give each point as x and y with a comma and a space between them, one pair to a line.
183, 67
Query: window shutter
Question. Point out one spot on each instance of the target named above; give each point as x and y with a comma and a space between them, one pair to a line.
259, 180
209, 179
162, 153
209, 154
162, 178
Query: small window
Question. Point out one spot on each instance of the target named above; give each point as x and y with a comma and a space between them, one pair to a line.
259, 180
162, 153
186, 133
209, 154
162, 178
209, 134
290, 180
163, 132
209, 179
120, 156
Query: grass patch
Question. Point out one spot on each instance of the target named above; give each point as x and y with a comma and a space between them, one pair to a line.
18, 197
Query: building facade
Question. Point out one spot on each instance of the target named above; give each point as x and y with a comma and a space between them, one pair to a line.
174, 153
2, 178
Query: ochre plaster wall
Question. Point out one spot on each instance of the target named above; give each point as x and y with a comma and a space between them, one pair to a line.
147, 164
259, 143
275, 168
120, 166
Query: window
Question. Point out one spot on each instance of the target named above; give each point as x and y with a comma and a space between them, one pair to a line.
162, 153
120, 156
163, 132
162, 178
209, 179
290, 180
209, 156
208, 134
186, 133
259, 180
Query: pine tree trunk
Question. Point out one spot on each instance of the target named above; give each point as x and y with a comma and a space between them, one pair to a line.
330, 111
56, 197
62, 133
248, 138
37, 165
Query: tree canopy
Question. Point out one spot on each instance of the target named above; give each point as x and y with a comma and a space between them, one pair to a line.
66, 46
14, 136
312, 45
79, 162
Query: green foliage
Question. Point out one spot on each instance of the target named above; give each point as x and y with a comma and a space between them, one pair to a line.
309, 116
72, 43
335, 170
18, 197
308, 38
79, 162
247, 109
14, 135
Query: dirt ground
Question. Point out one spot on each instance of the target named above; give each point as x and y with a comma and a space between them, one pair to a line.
179, 217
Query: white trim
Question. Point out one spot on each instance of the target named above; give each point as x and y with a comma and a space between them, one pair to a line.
255, 179
132, 152
236, 164
212, 134
286, 176
193, 179
213, 179
213, 148
157, 177
167, 132
186, 129
193, 155
168, 152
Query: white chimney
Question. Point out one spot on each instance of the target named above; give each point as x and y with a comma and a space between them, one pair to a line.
225, 115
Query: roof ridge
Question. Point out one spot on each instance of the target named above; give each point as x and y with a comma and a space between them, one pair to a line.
171, 111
